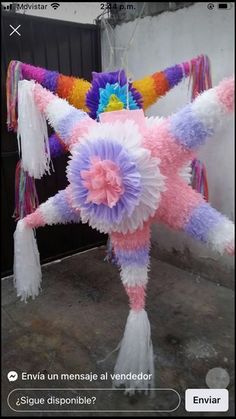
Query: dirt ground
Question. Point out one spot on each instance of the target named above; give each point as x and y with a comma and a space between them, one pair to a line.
79, 318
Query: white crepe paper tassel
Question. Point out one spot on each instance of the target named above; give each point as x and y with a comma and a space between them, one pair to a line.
136, 354
32, 132
27, 269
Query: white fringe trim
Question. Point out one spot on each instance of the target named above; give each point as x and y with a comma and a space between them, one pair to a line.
32, 132
135, 358
27, 269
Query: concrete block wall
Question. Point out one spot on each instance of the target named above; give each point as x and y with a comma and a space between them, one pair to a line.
161, 41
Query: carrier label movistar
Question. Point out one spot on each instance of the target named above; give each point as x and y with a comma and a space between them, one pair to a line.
30, 6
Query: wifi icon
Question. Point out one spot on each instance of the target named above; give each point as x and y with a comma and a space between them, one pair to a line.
55, 5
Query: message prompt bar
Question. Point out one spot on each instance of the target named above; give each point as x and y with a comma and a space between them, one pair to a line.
89, 400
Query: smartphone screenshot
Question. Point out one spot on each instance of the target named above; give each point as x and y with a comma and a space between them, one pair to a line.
117, 203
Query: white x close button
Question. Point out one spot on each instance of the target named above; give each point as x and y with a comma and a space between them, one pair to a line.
15, 30
206, 400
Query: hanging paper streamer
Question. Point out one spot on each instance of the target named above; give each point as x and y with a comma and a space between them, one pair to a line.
200, 75
14, 74
26, 198
110, 253
199, 178
200, 79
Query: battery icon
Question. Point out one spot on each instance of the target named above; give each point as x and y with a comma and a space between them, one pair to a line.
224, 5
